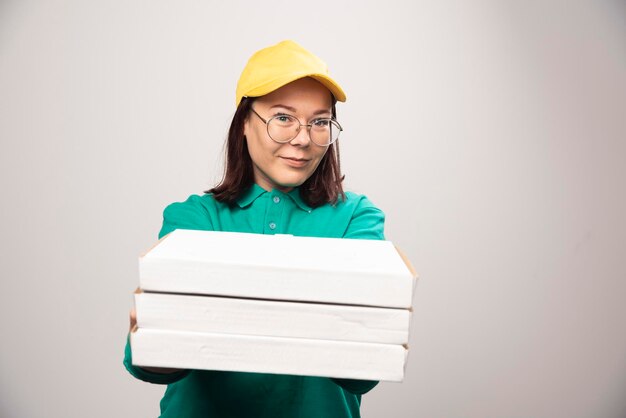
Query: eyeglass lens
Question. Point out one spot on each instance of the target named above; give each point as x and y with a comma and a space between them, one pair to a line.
284, 128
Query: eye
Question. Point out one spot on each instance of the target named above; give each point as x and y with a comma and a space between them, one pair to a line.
283, 120
321, 123
282, 117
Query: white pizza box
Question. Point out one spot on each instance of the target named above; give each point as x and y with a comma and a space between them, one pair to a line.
280, 267
260, 354
272, 318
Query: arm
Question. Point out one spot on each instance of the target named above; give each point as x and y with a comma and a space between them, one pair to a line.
368, 222
357, 387
190, 214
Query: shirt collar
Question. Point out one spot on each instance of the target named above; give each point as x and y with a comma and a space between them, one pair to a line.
253, 192
295, 196
250, 195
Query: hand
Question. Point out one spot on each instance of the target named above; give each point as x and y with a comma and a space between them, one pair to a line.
133, 319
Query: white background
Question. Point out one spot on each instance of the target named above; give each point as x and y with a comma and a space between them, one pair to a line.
493, 134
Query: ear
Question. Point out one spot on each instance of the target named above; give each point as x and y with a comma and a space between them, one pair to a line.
246, 128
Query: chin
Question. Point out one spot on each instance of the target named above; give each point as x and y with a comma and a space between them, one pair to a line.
290, 182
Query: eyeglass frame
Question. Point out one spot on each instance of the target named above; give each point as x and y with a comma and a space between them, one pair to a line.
308, 125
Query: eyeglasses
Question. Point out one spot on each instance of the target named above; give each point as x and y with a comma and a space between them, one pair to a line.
283, 128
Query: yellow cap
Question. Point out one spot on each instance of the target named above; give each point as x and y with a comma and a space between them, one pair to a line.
280, 64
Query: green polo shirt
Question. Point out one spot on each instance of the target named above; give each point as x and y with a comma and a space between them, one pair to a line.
202, 393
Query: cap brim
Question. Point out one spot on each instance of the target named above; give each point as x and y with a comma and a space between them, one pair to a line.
328, 82
331, 85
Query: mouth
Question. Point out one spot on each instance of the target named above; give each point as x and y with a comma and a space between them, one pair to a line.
295, 162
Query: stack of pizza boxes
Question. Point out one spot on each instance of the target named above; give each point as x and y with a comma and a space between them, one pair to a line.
274, 304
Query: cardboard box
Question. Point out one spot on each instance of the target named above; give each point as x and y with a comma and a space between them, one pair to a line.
274, 304
272, 318
279, 267
298, 356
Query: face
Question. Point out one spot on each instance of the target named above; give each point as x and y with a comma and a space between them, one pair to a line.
285, 166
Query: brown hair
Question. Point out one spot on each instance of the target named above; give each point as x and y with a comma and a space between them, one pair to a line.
324, 186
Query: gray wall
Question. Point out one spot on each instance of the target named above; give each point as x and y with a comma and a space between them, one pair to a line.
492, 133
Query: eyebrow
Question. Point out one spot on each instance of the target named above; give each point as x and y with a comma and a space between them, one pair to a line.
293, 109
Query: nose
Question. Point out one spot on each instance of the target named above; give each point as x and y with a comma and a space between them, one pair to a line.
303, 138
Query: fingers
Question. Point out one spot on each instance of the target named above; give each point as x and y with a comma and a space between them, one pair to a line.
133, 318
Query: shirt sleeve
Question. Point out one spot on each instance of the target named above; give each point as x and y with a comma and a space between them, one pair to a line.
190, 214
367, 222
357, 387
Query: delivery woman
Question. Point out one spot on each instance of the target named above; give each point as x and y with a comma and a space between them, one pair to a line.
282, 176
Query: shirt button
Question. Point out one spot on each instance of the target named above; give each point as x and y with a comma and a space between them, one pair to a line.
272, 225
276, 199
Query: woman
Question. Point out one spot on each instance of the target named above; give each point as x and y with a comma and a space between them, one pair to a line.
282, 176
